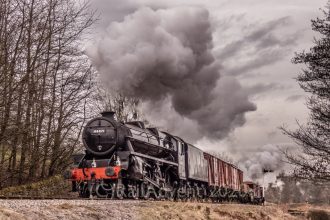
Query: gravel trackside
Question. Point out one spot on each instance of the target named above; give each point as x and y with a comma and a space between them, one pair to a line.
67, 209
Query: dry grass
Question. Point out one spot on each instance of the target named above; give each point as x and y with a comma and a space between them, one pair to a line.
53, 186
187, 211
312, 212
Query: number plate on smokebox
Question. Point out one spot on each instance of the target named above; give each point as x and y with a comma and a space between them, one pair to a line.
98, 131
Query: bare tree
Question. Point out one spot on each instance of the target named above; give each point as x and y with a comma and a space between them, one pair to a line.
314, 137
104, 99
45, 80
291, 190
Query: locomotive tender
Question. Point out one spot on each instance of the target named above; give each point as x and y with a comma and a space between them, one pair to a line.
128, 160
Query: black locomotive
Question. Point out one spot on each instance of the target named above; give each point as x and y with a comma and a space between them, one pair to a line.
128, 160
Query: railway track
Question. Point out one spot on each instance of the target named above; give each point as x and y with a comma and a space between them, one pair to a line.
48, 198
71, 198
92, 198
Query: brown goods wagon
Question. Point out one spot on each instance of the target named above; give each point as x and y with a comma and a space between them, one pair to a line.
248, 186
253, 187
236, 177
223, 174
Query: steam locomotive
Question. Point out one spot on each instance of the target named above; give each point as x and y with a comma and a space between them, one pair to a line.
128, 160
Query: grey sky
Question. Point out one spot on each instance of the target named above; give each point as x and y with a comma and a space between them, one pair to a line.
254, 41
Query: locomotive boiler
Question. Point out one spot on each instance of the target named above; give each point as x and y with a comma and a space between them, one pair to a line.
128, 160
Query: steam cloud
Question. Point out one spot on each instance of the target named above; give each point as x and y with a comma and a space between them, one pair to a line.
164, 57
269, 159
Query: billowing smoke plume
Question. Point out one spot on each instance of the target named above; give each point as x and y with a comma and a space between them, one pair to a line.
164, 58
270, 159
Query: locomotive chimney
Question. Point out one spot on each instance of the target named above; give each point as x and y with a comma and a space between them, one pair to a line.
108, 114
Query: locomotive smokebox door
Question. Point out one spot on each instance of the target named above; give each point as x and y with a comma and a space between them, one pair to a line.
100, 136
